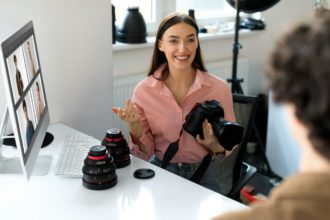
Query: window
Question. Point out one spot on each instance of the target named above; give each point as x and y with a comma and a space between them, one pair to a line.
209, 9
207, 12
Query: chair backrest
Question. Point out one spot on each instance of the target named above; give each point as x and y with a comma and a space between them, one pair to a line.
230, 168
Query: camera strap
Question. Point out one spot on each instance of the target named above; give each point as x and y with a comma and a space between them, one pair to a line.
170, 152
173, 149
199, 173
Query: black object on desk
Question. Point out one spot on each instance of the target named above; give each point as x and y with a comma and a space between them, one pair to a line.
144, 173
10, 141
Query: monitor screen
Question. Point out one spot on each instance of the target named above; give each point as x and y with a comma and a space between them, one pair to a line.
26, 98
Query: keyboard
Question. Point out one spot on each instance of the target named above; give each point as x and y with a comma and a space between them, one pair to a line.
73, 153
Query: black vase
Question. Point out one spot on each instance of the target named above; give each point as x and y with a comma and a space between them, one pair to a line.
133, 29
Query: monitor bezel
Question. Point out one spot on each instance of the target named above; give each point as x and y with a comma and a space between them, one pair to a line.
9, 46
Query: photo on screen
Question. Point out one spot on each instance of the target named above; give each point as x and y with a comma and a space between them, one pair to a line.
17, 72
30, 56
38, 98
26, 120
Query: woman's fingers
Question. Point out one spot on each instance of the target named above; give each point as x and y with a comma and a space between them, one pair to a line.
207, 129
129, 113
115, 110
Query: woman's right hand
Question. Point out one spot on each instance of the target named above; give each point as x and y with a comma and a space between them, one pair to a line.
130, 115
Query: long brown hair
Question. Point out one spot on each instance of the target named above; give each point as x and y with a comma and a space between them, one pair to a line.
159, 58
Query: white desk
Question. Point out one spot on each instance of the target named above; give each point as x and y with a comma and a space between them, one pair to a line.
165, 196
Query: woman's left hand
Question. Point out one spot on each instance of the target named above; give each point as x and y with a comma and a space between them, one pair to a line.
210, 140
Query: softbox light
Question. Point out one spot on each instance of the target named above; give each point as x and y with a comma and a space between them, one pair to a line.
252, 6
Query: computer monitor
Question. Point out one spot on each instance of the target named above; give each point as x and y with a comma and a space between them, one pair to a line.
27, 107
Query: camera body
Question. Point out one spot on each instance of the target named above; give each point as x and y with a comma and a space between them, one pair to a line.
228, 133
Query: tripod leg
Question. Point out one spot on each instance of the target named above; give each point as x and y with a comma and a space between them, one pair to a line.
239, 88
236, 87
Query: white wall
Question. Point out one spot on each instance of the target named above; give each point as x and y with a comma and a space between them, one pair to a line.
74, 39
278, 18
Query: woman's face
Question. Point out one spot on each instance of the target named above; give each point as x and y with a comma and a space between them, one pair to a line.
179, 43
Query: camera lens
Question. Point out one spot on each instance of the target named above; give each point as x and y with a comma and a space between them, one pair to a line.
117, 146
99, 170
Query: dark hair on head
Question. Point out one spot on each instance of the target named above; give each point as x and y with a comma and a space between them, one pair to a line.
159, 58
300, 75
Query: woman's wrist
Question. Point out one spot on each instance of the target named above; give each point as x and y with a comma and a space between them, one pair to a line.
135, 129
216, 148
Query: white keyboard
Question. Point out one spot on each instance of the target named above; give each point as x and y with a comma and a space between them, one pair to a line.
73, 153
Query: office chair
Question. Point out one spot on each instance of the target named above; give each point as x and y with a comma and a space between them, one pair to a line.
233, 171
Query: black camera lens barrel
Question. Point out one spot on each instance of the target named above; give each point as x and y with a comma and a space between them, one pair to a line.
117, 146
99, 170
100, 186
108, 160
99, 179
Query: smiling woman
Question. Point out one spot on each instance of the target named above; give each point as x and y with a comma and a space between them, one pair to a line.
176, 81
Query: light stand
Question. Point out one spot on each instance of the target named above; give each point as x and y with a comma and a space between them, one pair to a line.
235, 83
248, 6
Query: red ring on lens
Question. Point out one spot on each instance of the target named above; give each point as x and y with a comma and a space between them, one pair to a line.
98, 157
112, 139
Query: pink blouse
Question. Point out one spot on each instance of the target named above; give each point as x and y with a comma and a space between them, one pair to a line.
162, 118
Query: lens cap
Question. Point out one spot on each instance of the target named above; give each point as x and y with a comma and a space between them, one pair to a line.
144, 173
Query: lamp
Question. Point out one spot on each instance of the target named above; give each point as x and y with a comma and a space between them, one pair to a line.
247, 6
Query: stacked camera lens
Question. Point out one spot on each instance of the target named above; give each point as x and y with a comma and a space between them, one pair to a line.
99, 170
117, 146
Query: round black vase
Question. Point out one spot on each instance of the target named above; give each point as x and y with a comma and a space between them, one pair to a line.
133, 29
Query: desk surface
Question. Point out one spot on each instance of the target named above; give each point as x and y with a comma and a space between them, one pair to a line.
165, 196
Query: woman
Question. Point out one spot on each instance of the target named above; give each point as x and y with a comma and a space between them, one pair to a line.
176, 81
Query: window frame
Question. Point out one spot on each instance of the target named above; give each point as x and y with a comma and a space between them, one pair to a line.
161, 8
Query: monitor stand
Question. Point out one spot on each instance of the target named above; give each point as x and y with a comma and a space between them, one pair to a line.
10, 140
12, 165
10, 162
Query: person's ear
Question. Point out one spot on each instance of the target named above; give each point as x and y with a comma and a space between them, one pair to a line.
160, 45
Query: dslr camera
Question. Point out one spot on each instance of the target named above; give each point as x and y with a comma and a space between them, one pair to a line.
228, 133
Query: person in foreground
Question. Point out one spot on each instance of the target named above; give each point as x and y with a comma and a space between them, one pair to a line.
300, 79
176, 81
